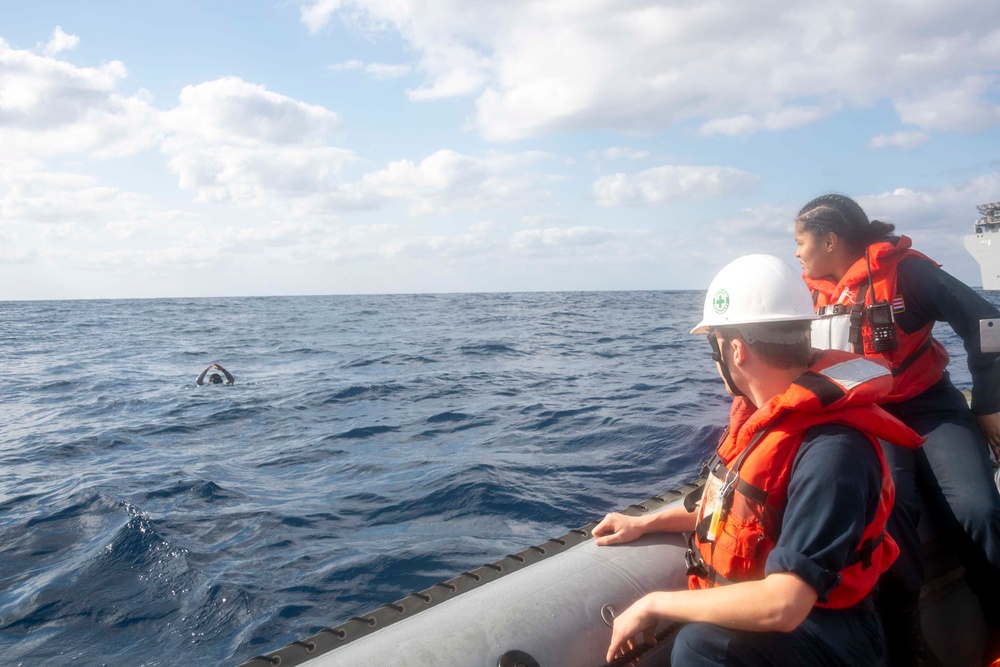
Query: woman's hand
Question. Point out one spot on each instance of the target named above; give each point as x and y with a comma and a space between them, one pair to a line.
625, 633
618, 528
990, 426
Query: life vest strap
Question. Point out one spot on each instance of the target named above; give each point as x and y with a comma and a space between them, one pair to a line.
864, 553
857, 315
697, 566
910, 360
833, 309
751, 492
717, 468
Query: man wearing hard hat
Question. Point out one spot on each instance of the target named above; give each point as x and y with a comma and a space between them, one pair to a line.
788, 537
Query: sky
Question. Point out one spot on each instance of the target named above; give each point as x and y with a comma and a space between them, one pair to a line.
231, 148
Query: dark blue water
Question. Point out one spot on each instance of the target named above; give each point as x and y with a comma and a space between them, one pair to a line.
371, 447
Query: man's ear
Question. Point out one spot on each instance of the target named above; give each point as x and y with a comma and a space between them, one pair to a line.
740, 351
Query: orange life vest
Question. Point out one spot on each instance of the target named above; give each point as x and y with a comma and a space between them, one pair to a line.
918, 361
739, 521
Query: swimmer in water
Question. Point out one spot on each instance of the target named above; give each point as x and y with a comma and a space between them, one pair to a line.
215, 378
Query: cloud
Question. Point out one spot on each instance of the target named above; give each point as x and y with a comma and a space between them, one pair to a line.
316, 15
784, 119
542, 66
904, 140
654, 186
60, 42
50, 107
227, 140
444, 181
237, 141
60, 199
379, 71
617, 153
347, 66
946, 209
384, 72
963, 105
559, 238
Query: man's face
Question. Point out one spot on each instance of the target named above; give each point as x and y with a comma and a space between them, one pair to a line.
718, 346
723, 357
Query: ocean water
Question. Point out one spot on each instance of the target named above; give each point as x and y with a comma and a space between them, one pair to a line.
372, 446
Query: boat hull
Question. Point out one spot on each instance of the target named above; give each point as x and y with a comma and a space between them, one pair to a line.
557, 610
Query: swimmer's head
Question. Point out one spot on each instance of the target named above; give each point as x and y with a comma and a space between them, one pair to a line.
215, 378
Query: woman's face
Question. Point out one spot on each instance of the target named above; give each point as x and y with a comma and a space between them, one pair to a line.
813, 253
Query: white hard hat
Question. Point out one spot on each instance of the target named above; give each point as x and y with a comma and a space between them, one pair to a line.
755, 289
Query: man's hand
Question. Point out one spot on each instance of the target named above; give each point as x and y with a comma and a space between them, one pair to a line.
625, 632
617, 529
990, 426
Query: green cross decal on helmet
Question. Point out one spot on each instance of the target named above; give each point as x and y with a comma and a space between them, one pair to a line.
721, 301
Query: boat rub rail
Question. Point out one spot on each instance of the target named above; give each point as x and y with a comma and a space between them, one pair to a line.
356, 627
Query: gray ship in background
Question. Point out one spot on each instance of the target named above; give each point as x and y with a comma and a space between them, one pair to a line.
984, 244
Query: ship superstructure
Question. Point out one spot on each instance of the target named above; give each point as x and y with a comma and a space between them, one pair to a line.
984, 244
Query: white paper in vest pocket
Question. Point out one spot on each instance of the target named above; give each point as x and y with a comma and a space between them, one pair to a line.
989, 335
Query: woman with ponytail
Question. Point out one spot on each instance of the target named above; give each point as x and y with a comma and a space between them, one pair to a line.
877, 296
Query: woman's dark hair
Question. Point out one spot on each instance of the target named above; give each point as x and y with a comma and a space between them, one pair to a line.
842, 216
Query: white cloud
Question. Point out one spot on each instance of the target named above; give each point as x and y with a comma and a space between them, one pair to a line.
947, 209
379, 71
62, 199
660, 184
962, 105
616, 153
60, 42
230, 110
538, 66
444, 181
50, 107
347, 66
784, 119
316, 15
559, 238
384, 72
904, 140
233, 140
14, 255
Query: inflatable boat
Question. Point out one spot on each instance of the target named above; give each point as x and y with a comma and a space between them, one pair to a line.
552, 605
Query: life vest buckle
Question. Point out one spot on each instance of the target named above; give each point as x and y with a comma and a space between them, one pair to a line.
695, 563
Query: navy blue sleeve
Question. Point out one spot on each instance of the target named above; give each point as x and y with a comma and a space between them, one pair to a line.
930, 294
833, 494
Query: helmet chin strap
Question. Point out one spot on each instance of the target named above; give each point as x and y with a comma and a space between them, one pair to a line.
726, 375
